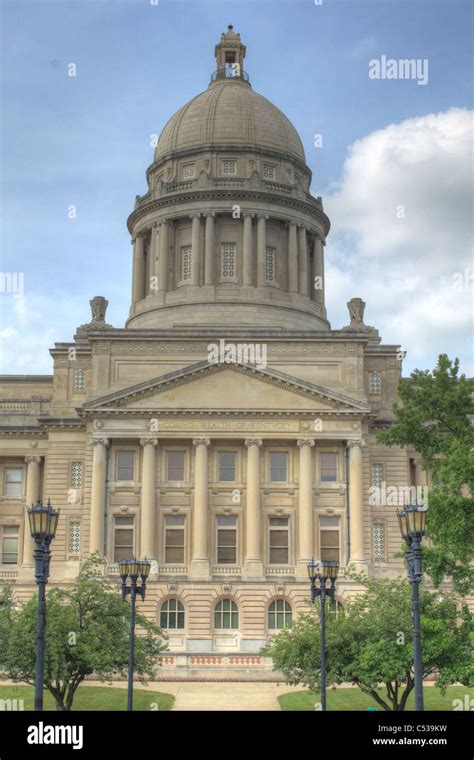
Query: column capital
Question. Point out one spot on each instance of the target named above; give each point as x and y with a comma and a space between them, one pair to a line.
36, 460
201, 442
253, 442
195, 215
248, 214
292, 223
101, 442
209, 214
356, 442
260, 216
305, 442
148, 442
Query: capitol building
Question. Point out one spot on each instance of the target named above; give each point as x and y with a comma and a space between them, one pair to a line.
227, 431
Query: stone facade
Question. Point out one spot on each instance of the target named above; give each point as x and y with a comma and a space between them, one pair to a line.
227, 432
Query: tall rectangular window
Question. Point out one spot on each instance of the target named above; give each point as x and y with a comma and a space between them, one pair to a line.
10, 539
227, 466
74, 539
270, 266
278, 467
278, 541
378, 540
75, 480
375, 383
328, 463
175, 465
329, 537
226, 540
186, 263
125, 465
13, 484
124, 530
228, 261
377, 475
79, 380
174, 539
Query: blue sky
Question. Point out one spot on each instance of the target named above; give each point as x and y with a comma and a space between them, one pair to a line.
85, 140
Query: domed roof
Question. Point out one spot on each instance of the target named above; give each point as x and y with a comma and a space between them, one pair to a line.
229, 113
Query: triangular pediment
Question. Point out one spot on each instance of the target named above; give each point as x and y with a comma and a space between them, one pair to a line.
225, 387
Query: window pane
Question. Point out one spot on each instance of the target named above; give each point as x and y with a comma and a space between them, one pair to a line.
279, 521
330, 538
174, 537
330, 554
278, 556
123, 553
175, 460
278, 467
226, 555
174, 555
174, 520
13, 481
328, 467
227, 466
119, 521
125, 460
227, 537
278, 538
123, 537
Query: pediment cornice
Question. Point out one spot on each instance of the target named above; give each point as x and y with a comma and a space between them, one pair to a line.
120, 401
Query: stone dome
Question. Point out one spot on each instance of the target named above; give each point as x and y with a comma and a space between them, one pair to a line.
229, 114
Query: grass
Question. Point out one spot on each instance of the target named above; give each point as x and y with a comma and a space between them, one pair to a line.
342, 699
94, 698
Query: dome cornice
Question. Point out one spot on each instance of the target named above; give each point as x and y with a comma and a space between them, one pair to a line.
231, 196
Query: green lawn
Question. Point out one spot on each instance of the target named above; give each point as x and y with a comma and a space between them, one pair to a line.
94, 698
353, 699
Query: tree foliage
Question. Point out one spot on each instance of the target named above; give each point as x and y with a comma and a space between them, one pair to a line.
370, 643
87, 633
435, 417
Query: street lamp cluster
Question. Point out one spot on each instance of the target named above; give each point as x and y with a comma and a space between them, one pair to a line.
322, 572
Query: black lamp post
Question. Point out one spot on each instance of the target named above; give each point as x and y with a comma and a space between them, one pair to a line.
134, 568
43, 523
412, 521
323, 571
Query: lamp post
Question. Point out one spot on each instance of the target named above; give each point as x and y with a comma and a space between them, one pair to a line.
323, 571
43, 523
134, 568
412, 521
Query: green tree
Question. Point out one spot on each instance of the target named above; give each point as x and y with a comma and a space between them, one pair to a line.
435, 417
87, 633
370, 643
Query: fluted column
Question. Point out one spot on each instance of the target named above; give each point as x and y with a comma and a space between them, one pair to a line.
163, 257
356, 501
247, 278
318, 257
303, 260
261, 244
138, 277
148, 498
200, 557
209, 249
153, 259
305, 506
33, 479
253, 565
99, 465
292, 258
196, 248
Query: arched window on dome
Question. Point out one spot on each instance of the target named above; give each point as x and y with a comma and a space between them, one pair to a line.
280, 615
172, 614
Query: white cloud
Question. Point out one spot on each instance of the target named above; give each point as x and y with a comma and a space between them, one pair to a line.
401, 228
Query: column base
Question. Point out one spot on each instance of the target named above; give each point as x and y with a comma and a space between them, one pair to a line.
200, 568
253, 568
